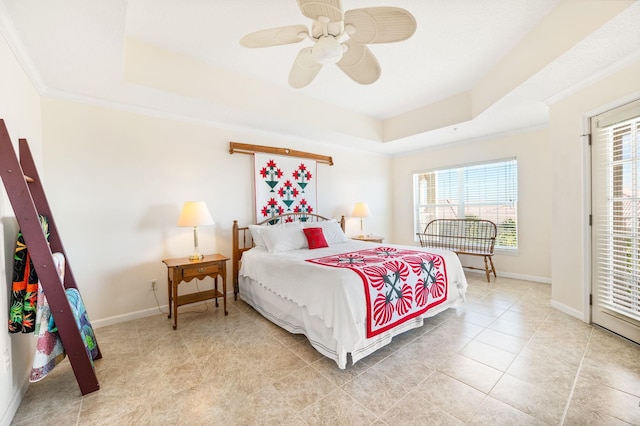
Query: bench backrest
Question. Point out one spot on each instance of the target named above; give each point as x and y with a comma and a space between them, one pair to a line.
462, 235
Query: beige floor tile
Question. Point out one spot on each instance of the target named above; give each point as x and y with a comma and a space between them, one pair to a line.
612, 373
264, 406
477, 318
452, 396
497, 413
458, 326
301, 389
337, 408
585, 415
522, 330
515, 314
488, 355
405, 369
106, 410
375, 390
64, 416
542, 371
501, 340
472, 373
538, 401
412, 410
609, 401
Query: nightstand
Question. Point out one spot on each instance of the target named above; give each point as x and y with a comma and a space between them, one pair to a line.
369, 238
181, 270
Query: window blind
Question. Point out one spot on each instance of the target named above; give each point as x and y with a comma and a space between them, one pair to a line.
616, 210
481, 191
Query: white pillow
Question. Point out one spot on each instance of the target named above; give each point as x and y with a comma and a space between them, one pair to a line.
256, 231
256, 235
283, 238
331, 229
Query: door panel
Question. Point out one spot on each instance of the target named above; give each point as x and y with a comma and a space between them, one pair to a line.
615, 187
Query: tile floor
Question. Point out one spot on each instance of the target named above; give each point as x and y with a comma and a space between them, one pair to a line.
505, 358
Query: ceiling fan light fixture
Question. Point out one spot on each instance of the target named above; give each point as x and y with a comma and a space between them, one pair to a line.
327, 50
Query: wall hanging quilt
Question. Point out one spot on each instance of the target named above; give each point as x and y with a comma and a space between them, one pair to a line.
284, 185
399, 284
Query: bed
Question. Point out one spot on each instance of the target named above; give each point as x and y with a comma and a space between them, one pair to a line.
348, 297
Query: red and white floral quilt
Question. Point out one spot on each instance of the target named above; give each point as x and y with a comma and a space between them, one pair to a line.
399, 284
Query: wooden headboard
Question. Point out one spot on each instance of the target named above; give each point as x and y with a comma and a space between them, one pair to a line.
242, 240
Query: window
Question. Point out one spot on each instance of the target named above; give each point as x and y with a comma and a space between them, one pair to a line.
479, 191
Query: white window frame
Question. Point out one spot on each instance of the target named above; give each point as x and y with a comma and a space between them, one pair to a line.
424, 212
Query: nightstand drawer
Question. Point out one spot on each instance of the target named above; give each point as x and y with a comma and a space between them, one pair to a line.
200, 270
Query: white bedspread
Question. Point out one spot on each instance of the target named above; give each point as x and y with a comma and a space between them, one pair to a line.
334, 295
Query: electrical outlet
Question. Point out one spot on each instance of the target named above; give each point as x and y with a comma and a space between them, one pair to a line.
7, 361
154, 283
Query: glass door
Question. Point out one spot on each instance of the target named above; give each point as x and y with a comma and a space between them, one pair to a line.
615, 195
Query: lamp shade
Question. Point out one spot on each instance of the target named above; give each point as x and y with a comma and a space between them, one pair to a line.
195, 213
361, 210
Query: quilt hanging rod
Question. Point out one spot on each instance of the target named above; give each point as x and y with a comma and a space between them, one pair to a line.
245, 148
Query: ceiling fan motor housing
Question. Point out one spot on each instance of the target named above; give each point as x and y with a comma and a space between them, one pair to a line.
327, 50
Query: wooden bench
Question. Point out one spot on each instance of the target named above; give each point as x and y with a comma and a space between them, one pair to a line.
474, 237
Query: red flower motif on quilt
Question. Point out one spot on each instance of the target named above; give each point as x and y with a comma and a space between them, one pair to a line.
303, 207
428, 277
271, 174
288, 194
377, 275
302, 176
395, 293
422, 292
439, 287
272, 208
404, 304
386, 251
416, 263
382, 309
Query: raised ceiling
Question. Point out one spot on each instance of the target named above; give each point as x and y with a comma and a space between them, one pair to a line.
473, 68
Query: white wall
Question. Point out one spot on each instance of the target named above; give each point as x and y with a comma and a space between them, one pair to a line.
531, 148
570, 189
116, 181
20, 110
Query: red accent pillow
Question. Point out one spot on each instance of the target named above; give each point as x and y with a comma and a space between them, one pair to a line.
315, 238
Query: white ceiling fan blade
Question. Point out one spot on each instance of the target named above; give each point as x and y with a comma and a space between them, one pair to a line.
314, 9
379, 24
359, 63
275, 36
304, 69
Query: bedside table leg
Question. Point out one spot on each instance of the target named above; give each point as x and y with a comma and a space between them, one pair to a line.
224, 292
169, 291
175, 305
216, 284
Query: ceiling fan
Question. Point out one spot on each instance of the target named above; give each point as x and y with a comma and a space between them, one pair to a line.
358, 27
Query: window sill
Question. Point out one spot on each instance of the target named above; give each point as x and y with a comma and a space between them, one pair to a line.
503, 252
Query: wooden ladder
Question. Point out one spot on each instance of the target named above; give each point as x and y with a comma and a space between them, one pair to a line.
28, 200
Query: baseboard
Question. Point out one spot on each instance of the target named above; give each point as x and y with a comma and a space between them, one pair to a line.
533, 278
14, 404
104, 322
567, 310
129, 317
